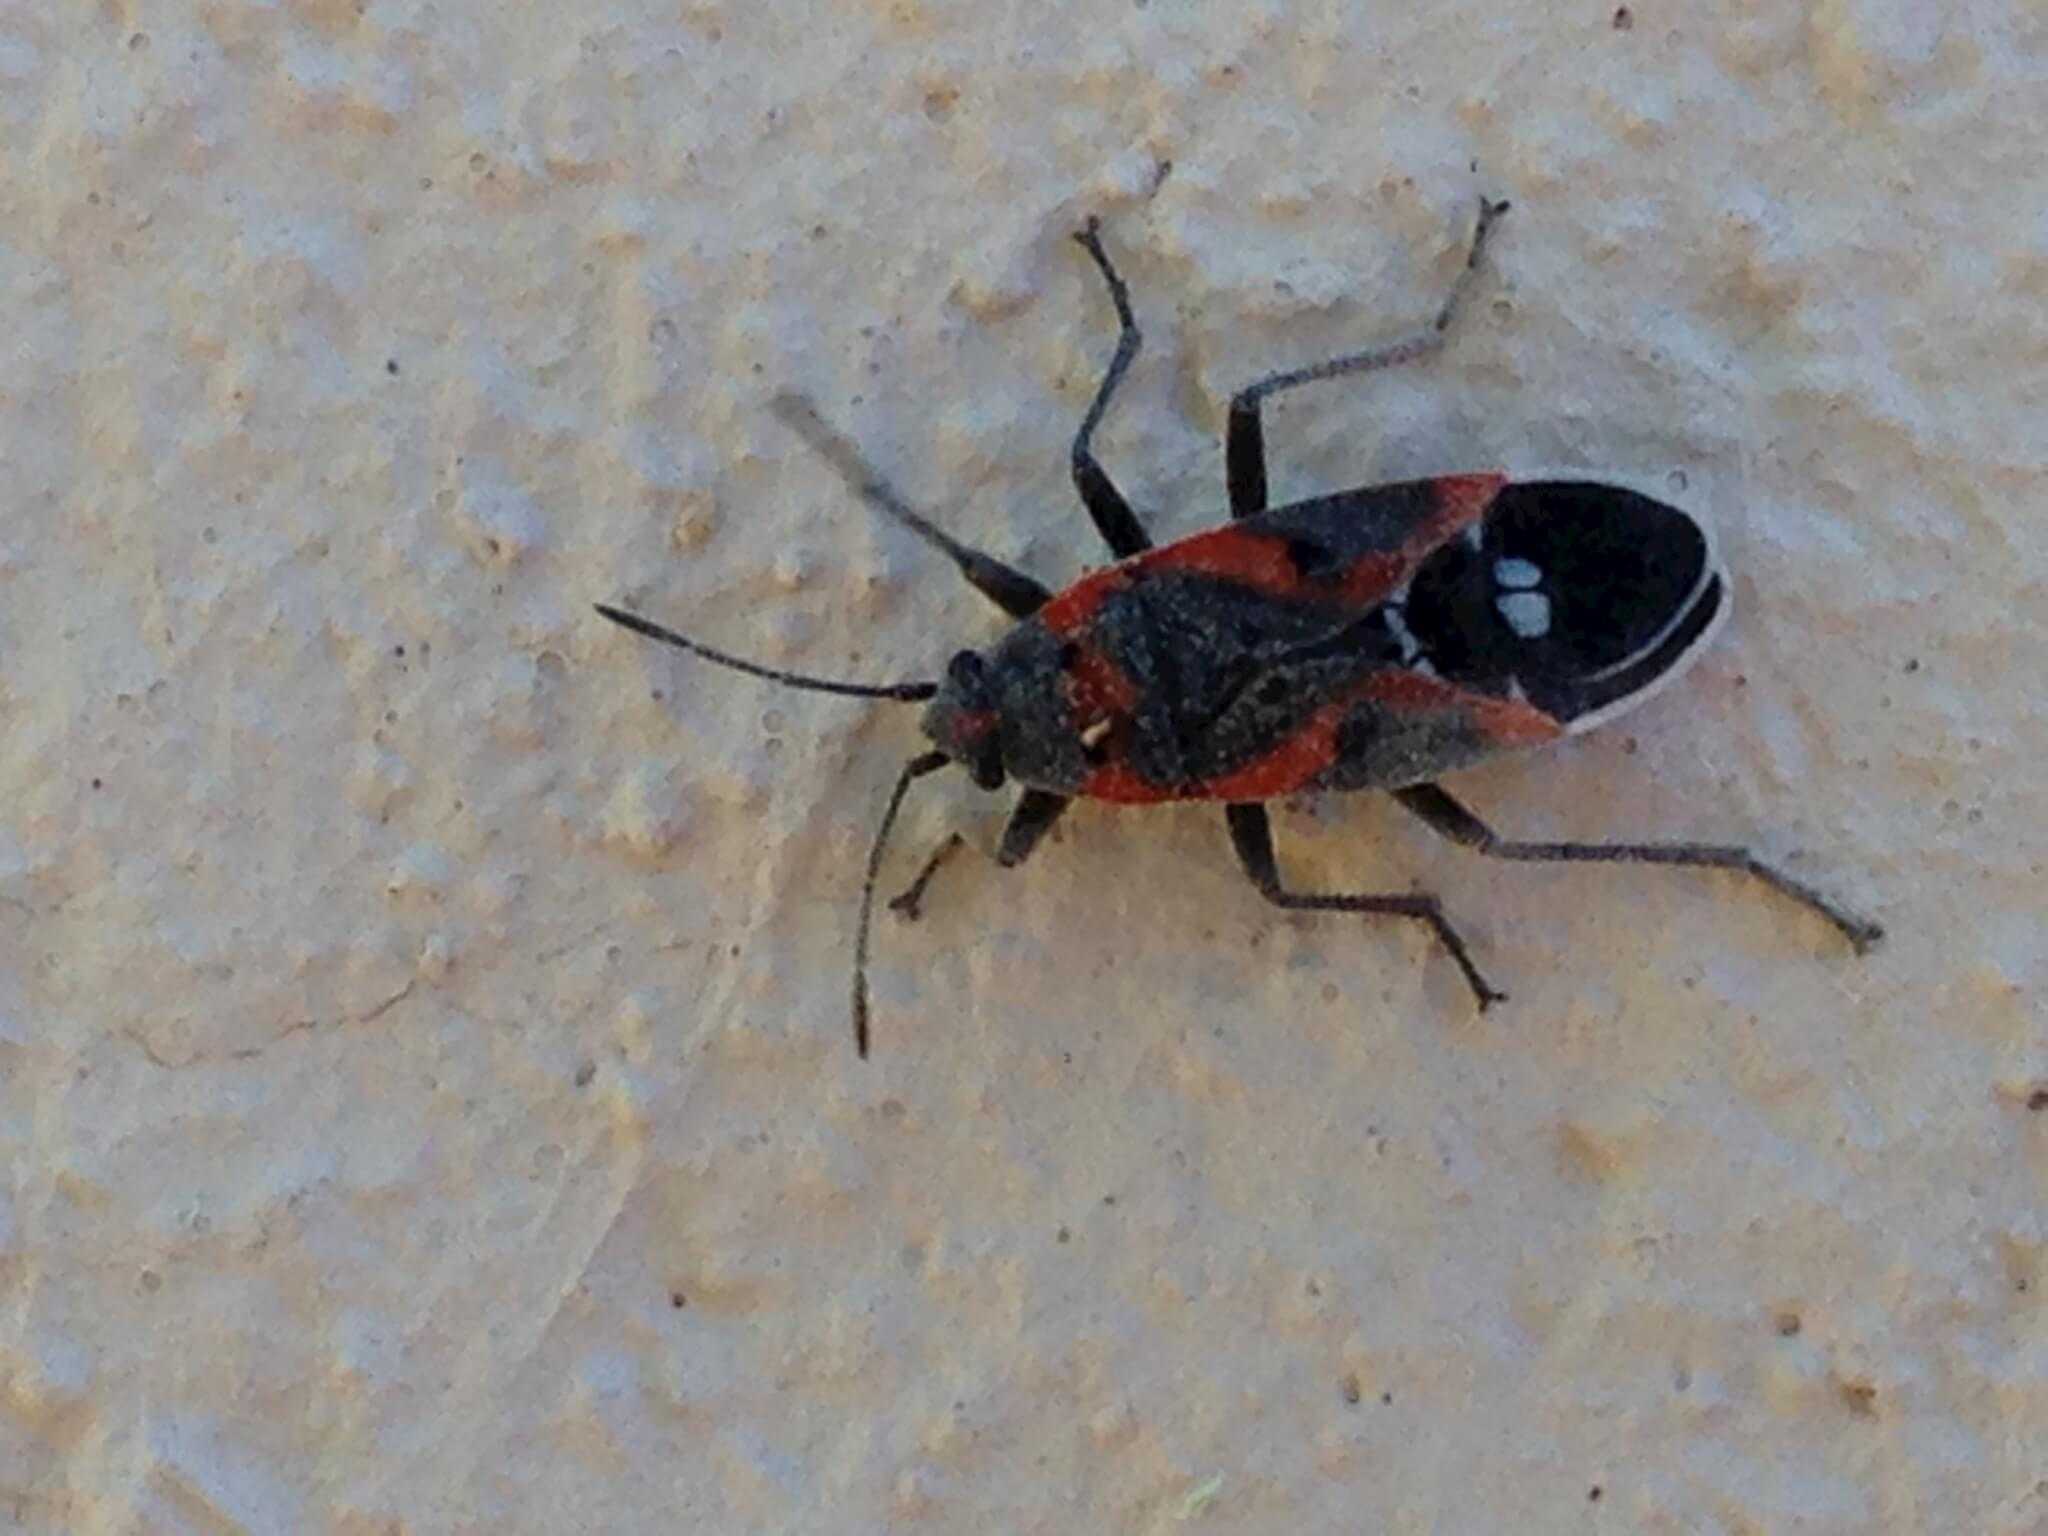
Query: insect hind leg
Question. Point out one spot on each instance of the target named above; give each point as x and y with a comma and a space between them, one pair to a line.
1251, 833
1448, 817
1114, 519
1244, 447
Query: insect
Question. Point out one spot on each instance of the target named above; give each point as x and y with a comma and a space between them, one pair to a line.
1375, 638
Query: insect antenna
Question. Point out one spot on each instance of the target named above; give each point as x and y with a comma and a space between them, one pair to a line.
907, 691
916, 768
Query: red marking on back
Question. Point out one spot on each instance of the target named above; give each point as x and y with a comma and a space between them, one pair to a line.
1460, 500
1295, 762
1508, 722
1262, 562
1118, 782
1097, 688
1372, 577
1311, 748
1232, 553
1068, 611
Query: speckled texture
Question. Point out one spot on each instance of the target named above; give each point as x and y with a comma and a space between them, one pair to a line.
425, 1089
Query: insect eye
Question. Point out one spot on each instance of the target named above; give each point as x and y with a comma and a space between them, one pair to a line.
967, 678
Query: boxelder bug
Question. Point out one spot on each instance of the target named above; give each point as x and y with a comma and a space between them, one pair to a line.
1370, 639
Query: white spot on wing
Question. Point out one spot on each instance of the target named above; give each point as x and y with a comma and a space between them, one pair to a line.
1091, 735
1512, 572
1397, 626
1527, 613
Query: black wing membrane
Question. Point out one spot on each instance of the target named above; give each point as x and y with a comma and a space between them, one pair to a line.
1583, 597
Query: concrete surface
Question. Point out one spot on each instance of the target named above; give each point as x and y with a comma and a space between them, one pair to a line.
425, 1087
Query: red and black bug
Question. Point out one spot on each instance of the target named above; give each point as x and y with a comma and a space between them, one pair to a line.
1371, 639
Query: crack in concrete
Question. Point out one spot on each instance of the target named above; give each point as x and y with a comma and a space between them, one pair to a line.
250, 1052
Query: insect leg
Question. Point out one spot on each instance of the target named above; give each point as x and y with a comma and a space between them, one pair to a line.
909, 903
1244, 446
1251, 832
1114, 519
1033, 818
1447, 816
1030, 821
1008, 588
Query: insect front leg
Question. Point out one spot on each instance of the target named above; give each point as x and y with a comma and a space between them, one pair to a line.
1008, 588
1244, 447
908, 903
1029, 822
1447, 816
1114, 519
1251, 833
